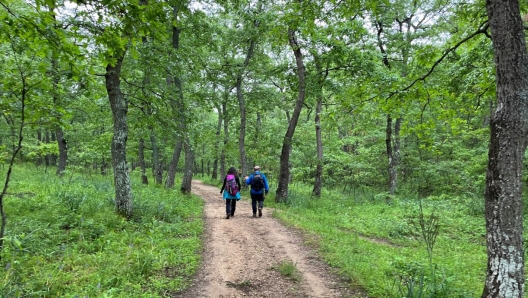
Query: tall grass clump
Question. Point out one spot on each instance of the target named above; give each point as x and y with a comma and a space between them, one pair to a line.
64, 238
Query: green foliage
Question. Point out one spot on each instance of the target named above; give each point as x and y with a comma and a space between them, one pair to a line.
65, 239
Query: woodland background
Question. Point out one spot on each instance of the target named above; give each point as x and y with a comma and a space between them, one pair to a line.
386, 101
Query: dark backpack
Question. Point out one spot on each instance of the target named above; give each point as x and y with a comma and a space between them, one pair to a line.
231, 186
257, 183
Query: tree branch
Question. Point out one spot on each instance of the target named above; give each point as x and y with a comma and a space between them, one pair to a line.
483, 30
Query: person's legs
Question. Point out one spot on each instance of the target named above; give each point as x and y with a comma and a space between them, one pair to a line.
228, 208
233, 207
254, 198
260, 204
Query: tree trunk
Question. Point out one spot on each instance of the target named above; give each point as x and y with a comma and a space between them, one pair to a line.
226, 135
242, 133
40, 159
53, 156
242, 105
504, 183
177, 108
63, 151
123, 199
390, 155
17, 146
188, 168
282, 189
157, 170
318, 184
47, 158
141, 157
214, 176
61, 142
171, 172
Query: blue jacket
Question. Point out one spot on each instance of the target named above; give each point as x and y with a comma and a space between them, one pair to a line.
250, 179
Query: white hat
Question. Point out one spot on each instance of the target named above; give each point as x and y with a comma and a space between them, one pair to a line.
256, 168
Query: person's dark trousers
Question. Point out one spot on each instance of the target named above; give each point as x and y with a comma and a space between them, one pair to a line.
257, 198
230, 206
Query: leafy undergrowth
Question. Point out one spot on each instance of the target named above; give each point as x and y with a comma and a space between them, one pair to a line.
63, 238
381, 248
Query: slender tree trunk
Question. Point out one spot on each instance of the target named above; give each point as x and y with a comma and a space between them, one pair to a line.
177, 107
47, 158
141, 157
226, 135
214, 176
282, 189
63, 151
171, 173
390, 155
318, 184
17, 146
242, 133
53, 156
242, 105
396, 152
188, 168
61, 141
504, 180
55, 74
240, 97
40, 160
157, 170
119, 107
393, 150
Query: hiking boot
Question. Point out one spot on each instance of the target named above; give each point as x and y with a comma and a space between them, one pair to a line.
227, 216
260, 211
254, 215
232, 214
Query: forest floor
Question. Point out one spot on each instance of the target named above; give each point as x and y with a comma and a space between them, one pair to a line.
242, 256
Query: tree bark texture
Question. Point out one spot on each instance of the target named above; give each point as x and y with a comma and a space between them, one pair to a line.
119, 108
318, 184
61, 142
503, 195
242, 105
177, 108
157, 170
63, 151
188, 168
17, 146
171, 172
214, 175
390, 155
223, 170
284, 174
141, 157
242, 133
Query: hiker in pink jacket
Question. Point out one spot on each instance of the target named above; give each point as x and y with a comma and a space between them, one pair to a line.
231, 190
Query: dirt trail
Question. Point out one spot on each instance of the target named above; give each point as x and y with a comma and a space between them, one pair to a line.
242, 254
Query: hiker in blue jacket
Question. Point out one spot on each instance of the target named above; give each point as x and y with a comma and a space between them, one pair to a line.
229, 195
259, 188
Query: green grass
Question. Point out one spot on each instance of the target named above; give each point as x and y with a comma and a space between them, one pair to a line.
63, 238
289, 269
380, 248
